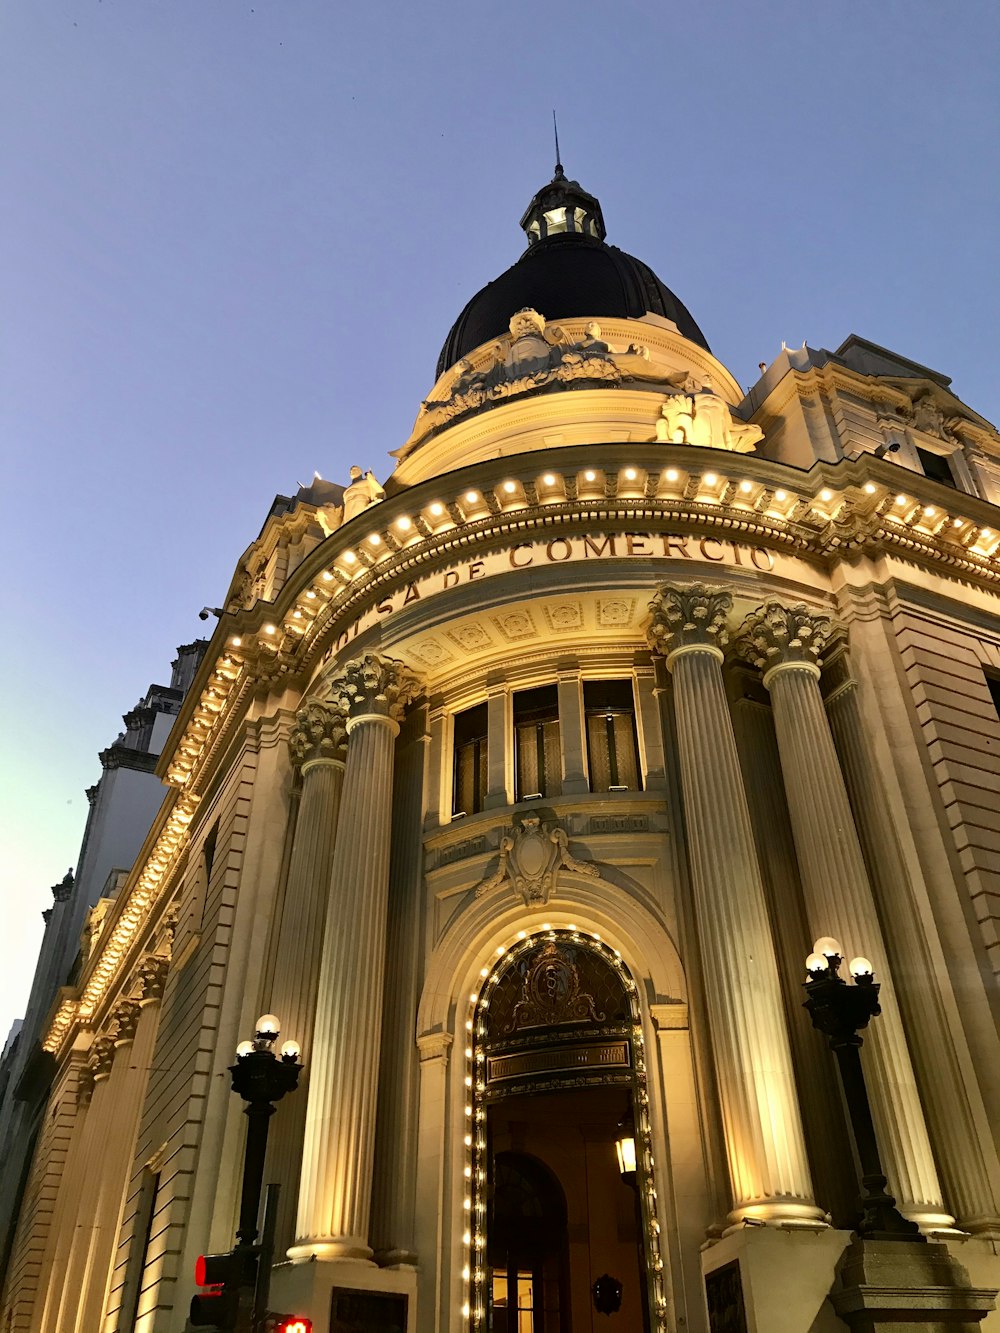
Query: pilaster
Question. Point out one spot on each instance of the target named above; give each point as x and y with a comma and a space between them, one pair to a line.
572, 736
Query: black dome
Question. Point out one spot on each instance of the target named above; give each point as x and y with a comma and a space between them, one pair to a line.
564, 275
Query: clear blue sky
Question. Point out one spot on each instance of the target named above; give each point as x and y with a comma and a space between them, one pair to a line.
234, 234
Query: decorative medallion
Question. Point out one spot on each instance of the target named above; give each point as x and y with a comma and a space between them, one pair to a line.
552, 994
531, 856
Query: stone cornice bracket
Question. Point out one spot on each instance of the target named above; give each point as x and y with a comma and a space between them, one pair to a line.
320, 732
776, 637
689, 618
374, 686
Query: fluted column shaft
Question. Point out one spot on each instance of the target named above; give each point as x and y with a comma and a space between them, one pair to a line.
959, 1125
836, 890
317, 744
768, 1168
338, 1148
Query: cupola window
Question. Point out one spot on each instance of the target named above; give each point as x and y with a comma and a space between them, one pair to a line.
538, 754
612, 743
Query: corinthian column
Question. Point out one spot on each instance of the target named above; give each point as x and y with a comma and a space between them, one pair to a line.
336, 1178
317, 746
786, 643
768, 1169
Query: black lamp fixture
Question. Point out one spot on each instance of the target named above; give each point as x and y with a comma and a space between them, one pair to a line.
841, 1011
261, 1078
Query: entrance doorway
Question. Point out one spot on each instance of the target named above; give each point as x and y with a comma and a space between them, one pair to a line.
558, 1079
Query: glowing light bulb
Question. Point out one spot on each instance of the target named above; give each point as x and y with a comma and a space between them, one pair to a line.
374, 539
817, 963
590, 476
826, 495
746, 487
828, 946
236, 641
350, 557
549, 479
403, 523
672, 474
270, 629
870, 488
327, 576
710, 479
509, 487
268, 1025
243, 1049
956, 522
290, 1050
780, 496
630, 474
311, 595
471, 497
901, 499
860, 967
929, 511
437, 509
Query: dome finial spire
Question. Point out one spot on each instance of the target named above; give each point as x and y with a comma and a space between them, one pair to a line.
559, 173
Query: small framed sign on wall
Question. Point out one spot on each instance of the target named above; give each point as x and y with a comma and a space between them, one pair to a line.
724, 1294
353, 1311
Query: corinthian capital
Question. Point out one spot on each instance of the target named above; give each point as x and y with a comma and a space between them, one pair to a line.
374, 684
781, 636
320, 731
689, 617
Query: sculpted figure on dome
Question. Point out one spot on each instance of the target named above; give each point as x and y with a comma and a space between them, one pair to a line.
362, 491
703, 418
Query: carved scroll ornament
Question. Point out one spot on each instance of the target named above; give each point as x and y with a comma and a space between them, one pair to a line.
531, 857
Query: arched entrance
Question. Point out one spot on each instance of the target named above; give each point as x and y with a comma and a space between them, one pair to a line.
556, 1076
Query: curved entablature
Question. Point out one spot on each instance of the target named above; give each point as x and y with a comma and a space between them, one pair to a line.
666, 510
629, 379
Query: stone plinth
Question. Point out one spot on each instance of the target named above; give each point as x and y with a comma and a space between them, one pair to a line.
892, 1286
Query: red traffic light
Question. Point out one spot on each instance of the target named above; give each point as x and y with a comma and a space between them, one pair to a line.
225, 1275
293, 1323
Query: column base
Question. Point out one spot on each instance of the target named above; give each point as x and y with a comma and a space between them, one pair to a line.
343, 1250
787, 1215
885, 1286
779, 1279
395, 1259
345, 1295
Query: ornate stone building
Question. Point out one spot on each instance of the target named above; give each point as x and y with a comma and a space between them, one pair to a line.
519, 788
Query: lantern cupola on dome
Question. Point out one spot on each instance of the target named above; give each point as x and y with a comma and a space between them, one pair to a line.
568, 271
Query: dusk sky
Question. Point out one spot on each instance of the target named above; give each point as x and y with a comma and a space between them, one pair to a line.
233, 237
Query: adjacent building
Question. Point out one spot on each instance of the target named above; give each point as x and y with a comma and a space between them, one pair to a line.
519, 787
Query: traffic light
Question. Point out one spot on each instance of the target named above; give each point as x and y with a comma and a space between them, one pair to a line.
225, 1276
291, 1323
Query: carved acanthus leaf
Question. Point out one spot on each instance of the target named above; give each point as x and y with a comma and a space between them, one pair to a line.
777, 635
320, 731
374, 684
686, 617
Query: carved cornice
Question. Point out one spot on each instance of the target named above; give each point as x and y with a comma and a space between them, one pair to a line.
374, 685
320, 731
776, 636
689, 617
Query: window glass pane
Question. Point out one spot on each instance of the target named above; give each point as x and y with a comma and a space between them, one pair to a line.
936, 466
536, 741
612, 744
469, 785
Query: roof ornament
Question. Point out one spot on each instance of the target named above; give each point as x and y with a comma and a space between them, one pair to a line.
559, 174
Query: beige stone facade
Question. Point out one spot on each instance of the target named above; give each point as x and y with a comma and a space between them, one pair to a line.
621, 663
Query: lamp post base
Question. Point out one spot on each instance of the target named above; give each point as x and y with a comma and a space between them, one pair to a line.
884, 1285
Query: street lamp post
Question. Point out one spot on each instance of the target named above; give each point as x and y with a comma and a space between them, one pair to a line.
840, 1011
260, 1078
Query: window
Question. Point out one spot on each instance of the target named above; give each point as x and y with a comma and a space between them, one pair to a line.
516, 1317
135, 1268
470, 776
936, 466
612, 745
537, 752
993, 683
